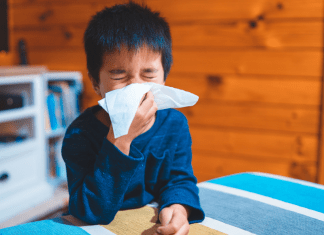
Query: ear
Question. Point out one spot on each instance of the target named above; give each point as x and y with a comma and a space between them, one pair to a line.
95, 85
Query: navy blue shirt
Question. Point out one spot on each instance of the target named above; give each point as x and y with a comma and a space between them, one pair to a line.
102, 180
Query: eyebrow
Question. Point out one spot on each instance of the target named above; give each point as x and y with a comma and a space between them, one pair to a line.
119, 71
150, 70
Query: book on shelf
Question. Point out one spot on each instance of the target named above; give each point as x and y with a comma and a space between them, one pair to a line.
59, 162
57, 167
62, 103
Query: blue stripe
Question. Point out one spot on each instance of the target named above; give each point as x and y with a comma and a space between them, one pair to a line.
256, 217
44, 227
297, 194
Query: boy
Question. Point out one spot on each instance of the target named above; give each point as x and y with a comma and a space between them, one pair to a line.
128, 44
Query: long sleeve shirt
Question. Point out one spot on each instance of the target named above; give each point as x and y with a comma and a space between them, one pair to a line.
102, 180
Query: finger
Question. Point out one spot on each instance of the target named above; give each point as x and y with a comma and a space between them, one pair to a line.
184, 230
176, 222
147, 96
143, 98
149, 114
165, 216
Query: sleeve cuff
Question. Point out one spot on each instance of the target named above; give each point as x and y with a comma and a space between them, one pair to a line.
183, 196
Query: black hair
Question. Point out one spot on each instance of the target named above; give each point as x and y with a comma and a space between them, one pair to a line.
128, 24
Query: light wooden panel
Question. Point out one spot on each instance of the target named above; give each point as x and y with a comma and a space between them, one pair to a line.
6, 59
40, 15
262, 62
27, 3
251, 116
71, 12
175, 11
264, 90
193, 10
265, 34
297, 63
52, 37
261, 144
208, 166
291, 34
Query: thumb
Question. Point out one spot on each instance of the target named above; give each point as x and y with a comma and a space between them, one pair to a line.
165, 216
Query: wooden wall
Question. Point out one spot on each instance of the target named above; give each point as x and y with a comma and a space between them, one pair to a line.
255, 64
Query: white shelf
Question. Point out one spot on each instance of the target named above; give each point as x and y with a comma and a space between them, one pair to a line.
55, 133
58, 201
40, 145
18, 113
15, 148
23, 201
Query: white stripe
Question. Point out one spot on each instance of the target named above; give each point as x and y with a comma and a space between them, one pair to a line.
224, 228
153, 204
303, 182
97, 230
264, 199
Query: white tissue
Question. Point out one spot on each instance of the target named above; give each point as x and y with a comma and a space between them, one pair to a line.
121, 104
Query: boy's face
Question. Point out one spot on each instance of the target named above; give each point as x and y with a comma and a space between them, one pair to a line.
121, 69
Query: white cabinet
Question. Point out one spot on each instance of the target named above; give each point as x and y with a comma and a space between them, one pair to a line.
25, 141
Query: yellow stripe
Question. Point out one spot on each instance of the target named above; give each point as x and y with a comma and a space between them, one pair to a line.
143, 221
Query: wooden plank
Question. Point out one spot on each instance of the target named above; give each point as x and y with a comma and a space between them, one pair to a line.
36, 16
26, 3
253, 89
253, 116
44, 15
52, 37
320, 157
175, 11
257, 89
257, 61
58, 58
265, 145
6, 58
266, 34
292, 34
192, 10
209, 166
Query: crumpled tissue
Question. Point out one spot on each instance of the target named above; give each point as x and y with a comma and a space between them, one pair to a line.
121, 104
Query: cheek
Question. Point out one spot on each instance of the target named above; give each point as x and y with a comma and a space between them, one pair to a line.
109, 86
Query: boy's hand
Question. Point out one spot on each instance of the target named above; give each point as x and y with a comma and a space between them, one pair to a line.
143, 121
174, 220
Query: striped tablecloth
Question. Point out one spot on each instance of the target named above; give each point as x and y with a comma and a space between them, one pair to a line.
246, 203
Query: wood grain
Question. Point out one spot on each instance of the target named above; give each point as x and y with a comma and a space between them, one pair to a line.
252, 62
292, 34
263, 90
244, 34
57, 13
257, 62
193, 10
253, 116
210, 165
266, 145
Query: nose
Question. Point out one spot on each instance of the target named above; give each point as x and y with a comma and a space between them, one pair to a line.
135, 79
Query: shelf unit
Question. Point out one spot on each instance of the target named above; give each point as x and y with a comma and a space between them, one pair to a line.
25, 178
23, 164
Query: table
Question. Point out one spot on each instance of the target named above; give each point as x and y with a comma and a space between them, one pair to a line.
239, 204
